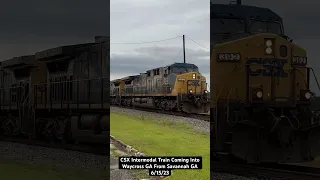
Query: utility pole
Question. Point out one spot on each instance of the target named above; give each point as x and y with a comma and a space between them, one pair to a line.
184, 51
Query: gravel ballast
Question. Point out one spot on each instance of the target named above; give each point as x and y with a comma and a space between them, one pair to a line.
198, 125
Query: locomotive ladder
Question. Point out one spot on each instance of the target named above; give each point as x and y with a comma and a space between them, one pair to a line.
227, 144
26, 112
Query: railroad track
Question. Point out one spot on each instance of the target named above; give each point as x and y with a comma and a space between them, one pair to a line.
274, 172
204, 117
86, 148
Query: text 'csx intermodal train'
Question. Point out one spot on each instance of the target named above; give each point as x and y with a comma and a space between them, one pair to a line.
177, 87
60, 94
259, 89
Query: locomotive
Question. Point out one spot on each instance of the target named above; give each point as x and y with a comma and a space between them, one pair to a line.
176, 87
60, 94
260, 95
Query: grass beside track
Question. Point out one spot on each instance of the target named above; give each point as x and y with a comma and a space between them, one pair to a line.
164, 138
10, 170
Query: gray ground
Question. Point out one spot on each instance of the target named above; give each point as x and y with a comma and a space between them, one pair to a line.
198, 125
122, 174
63, 160
118, 174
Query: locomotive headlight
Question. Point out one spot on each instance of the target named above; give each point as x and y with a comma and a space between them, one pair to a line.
205, 91
190, 91
268, 50
268, 43
259, 94
307, 95
193, 76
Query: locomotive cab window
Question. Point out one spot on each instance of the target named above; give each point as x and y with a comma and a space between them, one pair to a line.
224, 29
257, 27
227, 25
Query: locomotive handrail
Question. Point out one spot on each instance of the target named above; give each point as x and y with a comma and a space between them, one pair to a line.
315, 77
65, 98
75, 80
27, 97
305, 82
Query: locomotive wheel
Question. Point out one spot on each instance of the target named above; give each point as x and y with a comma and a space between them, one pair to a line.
10, 127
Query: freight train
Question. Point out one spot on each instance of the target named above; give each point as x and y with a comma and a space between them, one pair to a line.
260, 93
176, 87
60, 94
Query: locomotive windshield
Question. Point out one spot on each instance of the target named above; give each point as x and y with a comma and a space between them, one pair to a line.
180, 70
257, 27
226, 29
227, 26
232, 22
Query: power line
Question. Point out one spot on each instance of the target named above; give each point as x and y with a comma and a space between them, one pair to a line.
150, 41
198, 43
177, 56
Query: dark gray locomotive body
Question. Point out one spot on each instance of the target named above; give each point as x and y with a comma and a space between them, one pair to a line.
58, 94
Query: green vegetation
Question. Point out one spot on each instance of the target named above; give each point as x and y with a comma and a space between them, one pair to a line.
164, 138
12, 171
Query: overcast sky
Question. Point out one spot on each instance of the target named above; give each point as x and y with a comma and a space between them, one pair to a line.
35, 25
151, 20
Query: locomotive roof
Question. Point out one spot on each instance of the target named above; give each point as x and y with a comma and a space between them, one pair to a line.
243, 11
183, 65
60, 51
21, 61
179, 65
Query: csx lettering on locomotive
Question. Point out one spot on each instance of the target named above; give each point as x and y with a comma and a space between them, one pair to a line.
270, 67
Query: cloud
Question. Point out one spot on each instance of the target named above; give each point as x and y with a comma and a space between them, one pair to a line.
152, 20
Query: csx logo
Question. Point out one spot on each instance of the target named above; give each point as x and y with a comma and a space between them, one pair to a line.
269, 67
124, 159
194, 83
